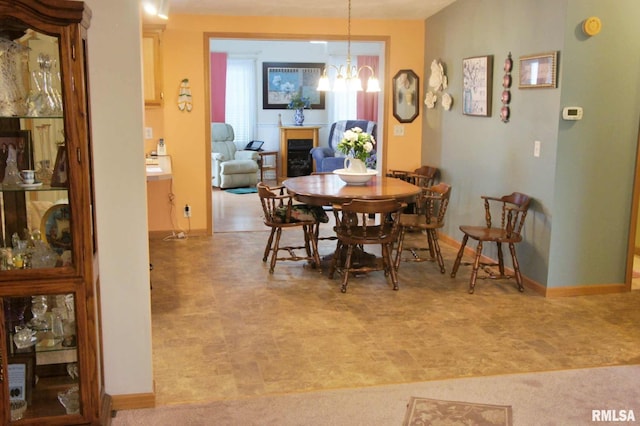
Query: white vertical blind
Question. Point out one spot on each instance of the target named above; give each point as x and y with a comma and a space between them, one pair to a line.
241, 104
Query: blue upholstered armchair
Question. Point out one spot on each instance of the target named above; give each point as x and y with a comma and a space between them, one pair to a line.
326, 157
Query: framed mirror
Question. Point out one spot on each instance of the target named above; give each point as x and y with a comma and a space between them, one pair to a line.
406, 89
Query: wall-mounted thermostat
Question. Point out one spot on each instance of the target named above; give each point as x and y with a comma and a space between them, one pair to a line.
572, 113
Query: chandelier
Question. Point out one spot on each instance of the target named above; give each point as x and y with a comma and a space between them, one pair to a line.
348, 77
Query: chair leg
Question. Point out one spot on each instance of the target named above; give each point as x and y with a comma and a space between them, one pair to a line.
388, 264
334, 259
432, 235
276, 247
307, 239
500, 260
314, 247
456, 264
345, 270
516, 267
432, 249
267, 249
399, 249
476, 265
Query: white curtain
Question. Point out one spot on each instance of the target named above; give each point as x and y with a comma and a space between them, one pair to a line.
241, 104
341, 105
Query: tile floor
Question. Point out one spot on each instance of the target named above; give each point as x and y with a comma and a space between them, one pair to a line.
224, 328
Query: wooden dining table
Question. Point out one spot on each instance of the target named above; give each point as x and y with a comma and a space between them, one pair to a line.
328, 189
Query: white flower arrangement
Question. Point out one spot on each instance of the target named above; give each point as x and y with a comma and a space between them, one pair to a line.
357, 143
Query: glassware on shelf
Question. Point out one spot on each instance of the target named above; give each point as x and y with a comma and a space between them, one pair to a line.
70, 400
11, 173
24, 337
42, 256
18, 407
39, 307
45, 99
44, 171
12, 93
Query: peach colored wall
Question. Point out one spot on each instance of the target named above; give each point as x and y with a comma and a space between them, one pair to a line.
184, 53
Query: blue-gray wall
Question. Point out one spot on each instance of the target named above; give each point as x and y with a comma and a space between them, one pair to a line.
577, 231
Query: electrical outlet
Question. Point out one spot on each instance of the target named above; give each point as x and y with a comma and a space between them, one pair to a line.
536, 148
187, 210
398, 130
148, 133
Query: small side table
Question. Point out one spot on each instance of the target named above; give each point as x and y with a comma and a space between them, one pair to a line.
264, 166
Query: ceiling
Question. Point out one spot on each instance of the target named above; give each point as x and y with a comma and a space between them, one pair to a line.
360, 9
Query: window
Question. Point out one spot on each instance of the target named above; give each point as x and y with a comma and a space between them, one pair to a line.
241, 103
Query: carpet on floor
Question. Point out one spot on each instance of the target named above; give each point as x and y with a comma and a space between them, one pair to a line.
425, 411
537, 399
242, 190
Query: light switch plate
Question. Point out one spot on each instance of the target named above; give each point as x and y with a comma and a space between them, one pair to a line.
148, 132
536, 148
398, 130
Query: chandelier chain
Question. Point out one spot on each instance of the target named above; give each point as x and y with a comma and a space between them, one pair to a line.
348, 77
349, 35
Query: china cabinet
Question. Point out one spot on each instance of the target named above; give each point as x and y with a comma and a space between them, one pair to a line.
50, 370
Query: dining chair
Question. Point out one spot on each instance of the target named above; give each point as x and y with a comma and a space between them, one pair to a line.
280, 213
513, 212
355, 230
430, 211
423, 176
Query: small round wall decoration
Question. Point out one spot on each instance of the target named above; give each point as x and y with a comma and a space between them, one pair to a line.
504, 113
430, 99
447, 100
592, 25
506, 81
508, 64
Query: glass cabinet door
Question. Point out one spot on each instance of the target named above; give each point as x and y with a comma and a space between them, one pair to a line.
35, 213
42, 373
50, 362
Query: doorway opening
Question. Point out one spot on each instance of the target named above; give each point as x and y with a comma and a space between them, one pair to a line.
268, 121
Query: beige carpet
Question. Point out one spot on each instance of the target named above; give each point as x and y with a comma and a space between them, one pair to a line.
551, 398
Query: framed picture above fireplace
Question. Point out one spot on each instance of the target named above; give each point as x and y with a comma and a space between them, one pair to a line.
280, 80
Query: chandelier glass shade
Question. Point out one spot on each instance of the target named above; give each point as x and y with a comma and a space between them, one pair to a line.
348, 76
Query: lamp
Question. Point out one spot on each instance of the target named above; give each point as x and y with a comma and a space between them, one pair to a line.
348, 77
163, 9
159, 8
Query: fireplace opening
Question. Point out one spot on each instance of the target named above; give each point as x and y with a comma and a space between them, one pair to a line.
299, 161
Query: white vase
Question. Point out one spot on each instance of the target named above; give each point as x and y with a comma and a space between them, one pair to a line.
353, 165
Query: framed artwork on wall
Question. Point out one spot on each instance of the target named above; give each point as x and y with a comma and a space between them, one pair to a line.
406, 89
477, 78
280, 80
538, 70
